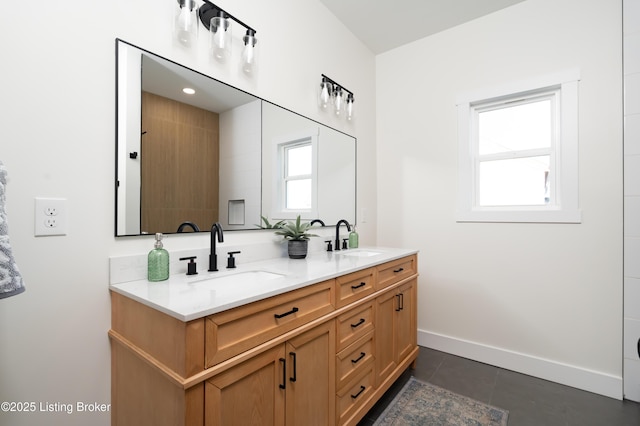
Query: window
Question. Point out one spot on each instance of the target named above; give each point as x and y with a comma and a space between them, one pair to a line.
518, 152
295, 186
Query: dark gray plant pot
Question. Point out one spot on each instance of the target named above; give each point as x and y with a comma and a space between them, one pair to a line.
298, 249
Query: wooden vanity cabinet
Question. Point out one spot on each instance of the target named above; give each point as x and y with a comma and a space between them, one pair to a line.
326, 362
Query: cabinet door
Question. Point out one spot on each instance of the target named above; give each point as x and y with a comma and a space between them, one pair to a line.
406, 327
310, 393
250, 393
395, 328
385, 319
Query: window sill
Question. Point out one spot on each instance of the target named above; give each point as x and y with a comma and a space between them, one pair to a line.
498, 215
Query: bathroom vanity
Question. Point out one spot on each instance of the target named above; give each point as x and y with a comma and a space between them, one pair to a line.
280, 342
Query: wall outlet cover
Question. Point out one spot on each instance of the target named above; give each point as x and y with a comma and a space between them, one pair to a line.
50, 216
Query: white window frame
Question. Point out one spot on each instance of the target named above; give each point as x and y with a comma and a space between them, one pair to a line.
564, 206
279, 210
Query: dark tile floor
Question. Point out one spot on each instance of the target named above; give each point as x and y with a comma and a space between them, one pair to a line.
530, 401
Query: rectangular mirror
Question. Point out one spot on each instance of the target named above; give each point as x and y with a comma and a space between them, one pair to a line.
185, 161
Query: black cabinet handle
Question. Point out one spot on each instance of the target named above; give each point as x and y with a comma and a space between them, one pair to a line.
638, 348
295, 367
359, 323
293, 311
362, 284
398, 270
355, 361
399, 308
362, 388
283, 385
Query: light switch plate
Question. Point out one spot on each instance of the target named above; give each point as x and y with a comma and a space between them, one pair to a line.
50, 216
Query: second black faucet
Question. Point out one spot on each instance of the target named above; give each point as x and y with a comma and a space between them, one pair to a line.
216, 228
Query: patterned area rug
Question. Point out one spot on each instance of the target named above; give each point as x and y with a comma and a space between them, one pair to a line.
420, 403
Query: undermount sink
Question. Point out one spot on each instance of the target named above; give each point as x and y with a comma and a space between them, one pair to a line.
360, 253
245, 279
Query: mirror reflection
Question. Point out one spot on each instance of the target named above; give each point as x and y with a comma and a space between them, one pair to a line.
215, 154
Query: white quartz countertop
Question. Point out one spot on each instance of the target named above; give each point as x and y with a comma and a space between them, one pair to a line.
195, 296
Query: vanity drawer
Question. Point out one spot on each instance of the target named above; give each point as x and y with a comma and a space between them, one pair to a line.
392, 272
354, 324
354, 286
354, 359
232, 332
355, 394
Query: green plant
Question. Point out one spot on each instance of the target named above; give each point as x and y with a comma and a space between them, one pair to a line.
268, 225
295, 231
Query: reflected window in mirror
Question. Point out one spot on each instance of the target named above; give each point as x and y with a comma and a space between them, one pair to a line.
298, 176
296, 160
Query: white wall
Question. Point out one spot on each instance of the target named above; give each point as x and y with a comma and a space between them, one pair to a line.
57, 138
544, 299
631, 25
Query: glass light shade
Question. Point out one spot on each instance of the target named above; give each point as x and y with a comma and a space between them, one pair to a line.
185, 23
220, 37
349, 106
249, 58
324, 95
338, 100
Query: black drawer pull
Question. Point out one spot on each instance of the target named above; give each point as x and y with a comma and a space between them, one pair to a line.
293, 311
283, 385
355, 361
295, 366
638, 348
359, 323
399, 308
362, 388
362, 284
398, 270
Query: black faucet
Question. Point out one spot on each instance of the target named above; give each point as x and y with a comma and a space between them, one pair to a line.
216, 228
341, 221
188, 225
314, 221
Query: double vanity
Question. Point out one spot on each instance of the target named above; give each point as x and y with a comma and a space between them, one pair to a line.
275, 342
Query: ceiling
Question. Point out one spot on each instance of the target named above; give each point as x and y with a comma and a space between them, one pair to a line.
385, 25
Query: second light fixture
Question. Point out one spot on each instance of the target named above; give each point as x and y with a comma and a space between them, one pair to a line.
332, 93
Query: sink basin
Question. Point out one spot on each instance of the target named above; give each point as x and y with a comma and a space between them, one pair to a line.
360, 253
245, 279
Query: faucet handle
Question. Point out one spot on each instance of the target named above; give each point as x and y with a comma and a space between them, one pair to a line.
231, 261
191, 266
344, 243
329, 245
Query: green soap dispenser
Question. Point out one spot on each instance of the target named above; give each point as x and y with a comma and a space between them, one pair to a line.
353, 238
158, 262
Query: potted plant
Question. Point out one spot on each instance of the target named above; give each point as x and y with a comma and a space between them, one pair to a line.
297, 237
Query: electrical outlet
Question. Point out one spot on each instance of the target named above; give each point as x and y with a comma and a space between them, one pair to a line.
50, 216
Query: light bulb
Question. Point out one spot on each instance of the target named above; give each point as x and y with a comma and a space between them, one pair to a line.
349, 106
249, 52
220, 37
338, 100
186, 23
325, 93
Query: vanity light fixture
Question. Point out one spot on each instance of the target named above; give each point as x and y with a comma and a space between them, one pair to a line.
337, 95
218, 22
185, 22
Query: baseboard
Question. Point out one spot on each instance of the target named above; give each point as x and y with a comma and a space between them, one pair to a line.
588, 380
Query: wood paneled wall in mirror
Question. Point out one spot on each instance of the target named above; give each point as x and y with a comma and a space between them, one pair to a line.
180, 165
